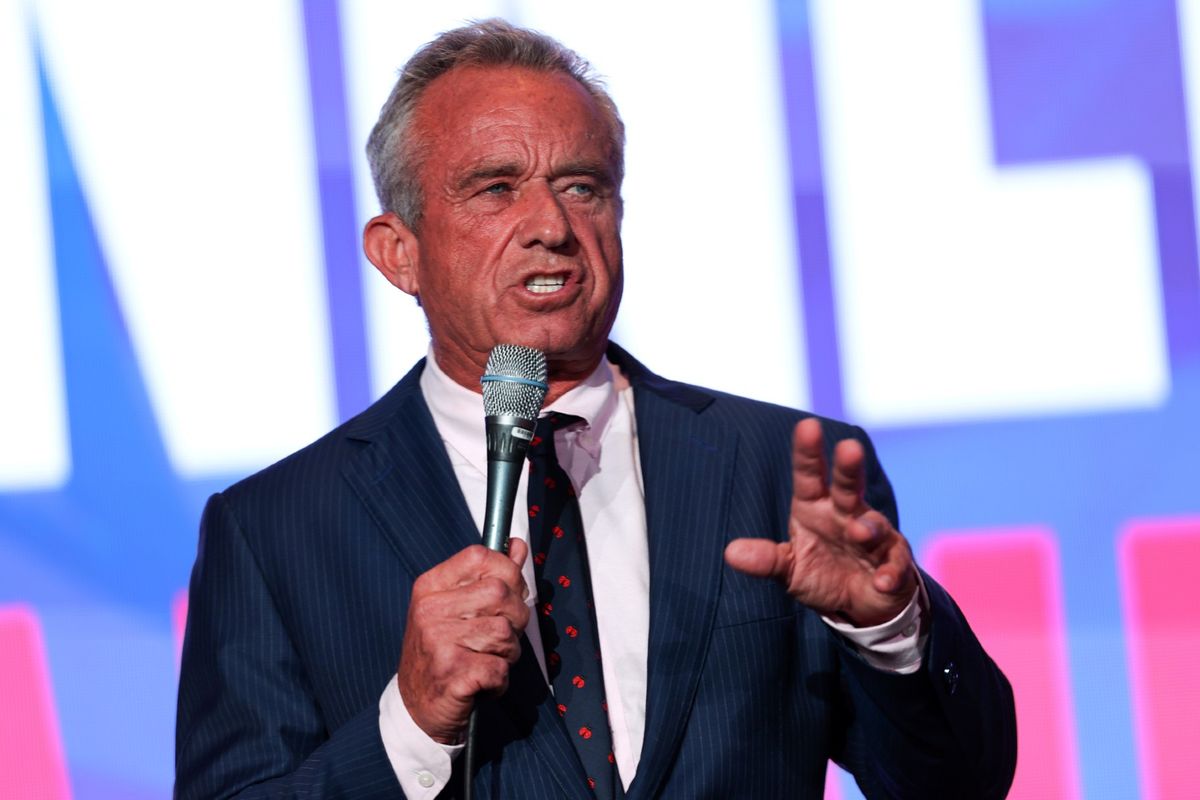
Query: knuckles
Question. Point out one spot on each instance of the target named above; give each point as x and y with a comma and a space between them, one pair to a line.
492, 592
495, 673
423, 612
521, 616
475, 556
496, 629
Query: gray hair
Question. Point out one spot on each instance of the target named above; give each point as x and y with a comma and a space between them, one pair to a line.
395, 154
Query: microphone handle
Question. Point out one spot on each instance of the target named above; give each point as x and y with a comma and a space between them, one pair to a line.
503, 478
508, 438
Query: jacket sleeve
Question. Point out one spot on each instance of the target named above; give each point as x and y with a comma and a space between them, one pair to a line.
247, 724
947, 730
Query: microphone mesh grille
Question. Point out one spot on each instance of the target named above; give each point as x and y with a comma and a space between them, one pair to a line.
512, 397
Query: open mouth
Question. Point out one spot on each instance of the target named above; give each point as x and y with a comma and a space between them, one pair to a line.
546, 284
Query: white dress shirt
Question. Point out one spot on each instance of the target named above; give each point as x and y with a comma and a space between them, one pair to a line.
601, 458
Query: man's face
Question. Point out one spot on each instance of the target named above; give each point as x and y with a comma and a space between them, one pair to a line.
520, 237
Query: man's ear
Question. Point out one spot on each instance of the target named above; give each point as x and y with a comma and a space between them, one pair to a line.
394, 250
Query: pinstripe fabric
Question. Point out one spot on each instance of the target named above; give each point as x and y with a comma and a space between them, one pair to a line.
300, 592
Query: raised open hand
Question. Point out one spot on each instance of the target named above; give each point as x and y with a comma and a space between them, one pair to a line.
842, 558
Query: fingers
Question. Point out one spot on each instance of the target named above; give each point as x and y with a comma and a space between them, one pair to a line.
472, 564
489, 597
809, 473
465, 620
492, 636
881, 546
476, 582
849, 480
808, 461
868, 533
761, 558
897, 575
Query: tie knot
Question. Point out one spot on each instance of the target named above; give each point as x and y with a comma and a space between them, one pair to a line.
542, 445
559, 421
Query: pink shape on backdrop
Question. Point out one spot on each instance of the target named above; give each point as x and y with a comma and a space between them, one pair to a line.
833, 786
1008, 583
179, 607
1159, 561
31, 751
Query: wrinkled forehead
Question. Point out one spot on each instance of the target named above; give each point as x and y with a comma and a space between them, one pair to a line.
477, 113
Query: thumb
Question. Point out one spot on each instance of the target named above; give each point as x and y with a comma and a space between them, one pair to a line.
518, 551
762, 558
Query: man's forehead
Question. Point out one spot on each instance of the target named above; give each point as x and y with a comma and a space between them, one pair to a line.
490, 119
468, 97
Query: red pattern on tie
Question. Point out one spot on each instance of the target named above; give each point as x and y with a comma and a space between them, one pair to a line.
567, 617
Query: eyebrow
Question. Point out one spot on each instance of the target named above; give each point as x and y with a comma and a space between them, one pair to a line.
486, 172
594, 169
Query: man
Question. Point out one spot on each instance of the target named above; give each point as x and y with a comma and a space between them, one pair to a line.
343, 625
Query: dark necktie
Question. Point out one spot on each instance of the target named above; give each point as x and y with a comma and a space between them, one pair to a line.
566, 616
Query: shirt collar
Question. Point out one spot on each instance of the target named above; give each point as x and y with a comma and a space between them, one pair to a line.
458, 411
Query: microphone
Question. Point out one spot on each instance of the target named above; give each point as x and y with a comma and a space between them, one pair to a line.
514, 386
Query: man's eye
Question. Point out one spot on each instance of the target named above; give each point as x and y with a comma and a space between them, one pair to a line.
581, 189
498, 188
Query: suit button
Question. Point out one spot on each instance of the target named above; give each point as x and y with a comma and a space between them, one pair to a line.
950, 676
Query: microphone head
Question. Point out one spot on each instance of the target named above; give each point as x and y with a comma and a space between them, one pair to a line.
514, 382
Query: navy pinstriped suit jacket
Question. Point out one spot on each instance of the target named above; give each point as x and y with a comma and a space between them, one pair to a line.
300, 592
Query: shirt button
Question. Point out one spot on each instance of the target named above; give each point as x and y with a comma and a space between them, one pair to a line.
910, 630
425, 778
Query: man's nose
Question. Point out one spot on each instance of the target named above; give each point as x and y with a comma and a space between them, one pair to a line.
543, 219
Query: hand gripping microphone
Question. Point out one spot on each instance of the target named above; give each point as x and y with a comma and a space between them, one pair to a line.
514, 386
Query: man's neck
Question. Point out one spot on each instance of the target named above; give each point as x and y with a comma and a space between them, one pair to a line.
562, 375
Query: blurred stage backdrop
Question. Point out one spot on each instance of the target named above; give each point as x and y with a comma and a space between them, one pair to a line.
969, 226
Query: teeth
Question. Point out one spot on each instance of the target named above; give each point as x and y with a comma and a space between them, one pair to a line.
545, 284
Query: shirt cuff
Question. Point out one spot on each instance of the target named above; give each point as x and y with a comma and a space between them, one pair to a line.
422, 766
895, 645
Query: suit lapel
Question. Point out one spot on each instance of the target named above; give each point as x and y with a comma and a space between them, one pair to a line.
403, 475
687, 466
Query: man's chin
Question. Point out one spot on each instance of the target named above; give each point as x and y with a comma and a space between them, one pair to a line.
566, 355
560, 345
